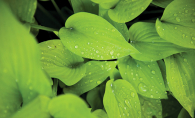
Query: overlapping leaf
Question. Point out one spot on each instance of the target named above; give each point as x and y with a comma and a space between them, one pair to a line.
69, 106
183, 114
127, 10
161, 3
106, 4
91, 36
180, 77
121, 100
84, 6
96, 73
21, 76
150, 107
146, 40
100, 113
178, 23
145, 77
60, 63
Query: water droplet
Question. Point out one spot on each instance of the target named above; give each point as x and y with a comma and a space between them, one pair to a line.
142, 87
113, 30
128, 103
193, 38
97, 51
136, 74
95, 32
133, 78
112, 57
151, 96
141, 79
185, 60
89, 73
175, 14
153, 72
30, 87
5, 111
76, 46
175, 27
132, 13
142, 8
91, 81
132, 94
89, 63
111, 52
178, 19
98, 82
82, 52
192, 42
183, 35
156, 91
102, 57
88, 43
186, 11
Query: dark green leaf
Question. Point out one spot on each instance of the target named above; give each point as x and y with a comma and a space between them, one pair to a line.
100, 113
146, 40
145, 77
180, 78
91, 36
60, 63
96, 73
121, 100
69, 106
127, 10
183, 114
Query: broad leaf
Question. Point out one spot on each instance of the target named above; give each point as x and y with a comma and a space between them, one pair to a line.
60, 63
161, 3
106, 4
96, 73
183, 114
100, 113
145, 77
115, 74
121, 27
127, 10
21, 76
91, 36
84, 6
146, 40
177, 34
180, 77
103, 1
69, 106
150, 107
121, 100
38, 108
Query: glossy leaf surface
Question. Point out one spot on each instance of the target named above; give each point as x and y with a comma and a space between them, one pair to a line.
151, 46
39, 106
21, 76
60, 63
127, 10
180, 77
69, 106
91, 36
150, 107
96, 73
145, 77
99, 113
121, 100
161, 3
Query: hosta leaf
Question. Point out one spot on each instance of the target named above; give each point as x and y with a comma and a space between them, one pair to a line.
177, 34
145, 77
96, 73
161, 3
127, 10
121, 27
69, 106
183, 14
100, 40
38, 108
115, 74
60, 63
183, 114
21, 76
94, 99
150, 107
146, 40
84, 6
106, 4
180, 77
103, 1
121, 100
99, 113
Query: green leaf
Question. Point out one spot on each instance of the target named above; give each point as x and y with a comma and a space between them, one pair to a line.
150, 107
60, 63
69, 106
183, 114
115, 74
161, 3
121, 100
177, 34
21, 76
127, 10
100, 40
94, 99
84, 6
146, 40
38, 108
180, 77
103, 1
96, 73
121, 27
106, 4
99, 113
145, 77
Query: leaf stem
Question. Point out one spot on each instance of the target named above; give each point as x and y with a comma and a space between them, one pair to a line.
41, 27
58, 10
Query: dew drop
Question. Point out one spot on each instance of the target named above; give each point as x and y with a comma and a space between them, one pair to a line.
142, 87
174, 14
141, 79
192, 42
97, 51
178, 19
186, 11
89, 63
91, 81
133, 78
113, 30
193, 38
132, 13
153, 72
98, 82
89, 73
151, 96
175, 27
88, 43
132, 94
127, 103
111, 52
82, 52
183, 35
76, 46
185, 60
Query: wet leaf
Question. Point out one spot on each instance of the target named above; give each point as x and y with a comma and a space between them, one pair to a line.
127, 10
99, 113
161, 3
100, 40
60, 63
96, 73
121, 100
151, 46
145, 77
180, 77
